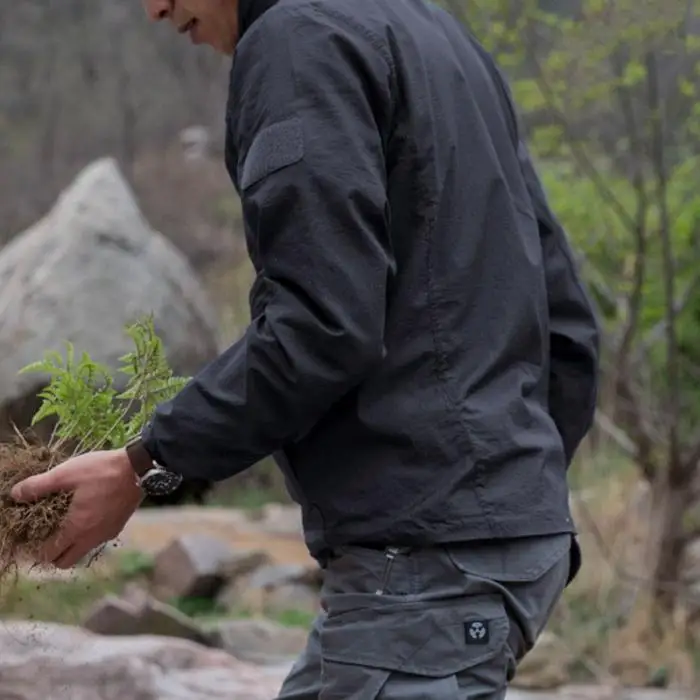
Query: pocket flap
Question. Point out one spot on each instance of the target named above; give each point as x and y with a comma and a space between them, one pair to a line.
513, 561
425, 638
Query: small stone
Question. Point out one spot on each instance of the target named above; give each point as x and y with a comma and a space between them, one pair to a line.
113, 616
243, 563
135, 594
166, 621
190, 566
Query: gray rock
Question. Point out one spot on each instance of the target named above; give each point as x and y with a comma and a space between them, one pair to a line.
274, 588
112, 615
139, 615
279, 574
135, 594
163, 620
292, 596
192, 565
40, 662
258, 640
88, 268
243, 563
596, 692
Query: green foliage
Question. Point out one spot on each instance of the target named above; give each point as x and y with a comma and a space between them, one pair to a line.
194, 606
151, 381
133, 563
83, 398
80, 395
607, 92
295, 618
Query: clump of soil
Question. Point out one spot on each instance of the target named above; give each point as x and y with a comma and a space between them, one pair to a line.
24, 527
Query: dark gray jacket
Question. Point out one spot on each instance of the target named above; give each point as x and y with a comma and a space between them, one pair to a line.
422, 356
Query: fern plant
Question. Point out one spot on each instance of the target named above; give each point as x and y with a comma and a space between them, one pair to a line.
82, 395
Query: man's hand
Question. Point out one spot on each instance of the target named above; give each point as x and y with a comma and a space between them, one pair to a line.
105, 495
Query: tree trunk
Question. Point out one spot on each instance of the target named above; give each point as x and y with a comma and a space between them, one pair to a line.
669, 504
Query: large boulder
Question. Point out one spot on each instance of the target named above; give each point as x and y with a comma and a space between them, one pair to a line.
88, 268
64, 663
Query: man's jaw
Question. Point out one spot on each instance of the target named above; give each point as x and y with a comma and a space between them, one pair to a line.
187, 26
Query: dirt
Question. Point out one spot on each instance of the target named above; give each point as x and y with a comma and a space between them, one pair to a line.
24, 527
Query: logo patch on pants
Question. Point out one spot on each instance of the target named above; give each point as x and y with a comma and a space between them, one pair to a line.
476, 632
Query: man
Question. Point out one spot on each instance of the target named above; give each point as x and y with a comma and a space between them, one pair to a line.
422, 357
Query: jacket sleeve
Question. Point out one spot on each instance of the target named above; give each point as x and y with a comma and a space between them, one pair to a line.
574, 330
305, 152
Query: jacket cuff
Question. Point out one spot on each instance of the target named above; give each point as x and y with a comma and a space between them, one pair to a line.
150, 444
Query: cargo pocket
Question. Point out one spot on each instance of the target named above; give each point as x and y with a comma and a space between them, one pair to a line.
364, 647
531, 574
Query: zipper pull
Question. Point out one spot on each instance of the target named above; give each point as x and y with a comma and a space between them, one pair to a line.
390, 553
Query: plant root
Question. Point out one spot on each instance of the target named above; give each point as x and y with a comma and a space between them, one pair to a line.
25, 527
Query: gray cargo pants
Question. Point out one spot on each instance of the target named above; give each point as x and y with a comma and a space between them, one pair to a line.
449, 623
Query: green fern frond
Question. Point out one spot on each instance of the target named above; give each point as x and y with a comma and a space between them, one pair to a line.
81, 393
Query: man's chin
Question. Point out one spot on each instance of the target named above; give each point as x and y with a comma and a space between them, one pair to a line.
226, 49
218, 47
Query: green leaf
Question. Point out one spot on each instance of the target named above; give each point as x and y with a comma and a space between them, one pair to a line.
81, 393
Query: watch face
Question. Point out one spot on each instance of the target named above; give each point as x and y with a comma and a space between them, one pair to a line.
159, 482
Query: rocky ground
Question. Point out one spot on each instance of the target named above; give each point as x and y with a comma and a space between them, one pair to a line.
42, 661
247, 575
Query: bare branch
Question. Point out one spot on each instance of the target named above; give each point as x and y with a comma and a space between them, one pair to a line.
692, 457
629, 415
657, 128
616, 434
639, 230
675, 588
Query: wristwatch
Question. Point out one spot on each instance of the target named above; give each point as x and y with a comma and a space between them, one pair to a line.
153, 479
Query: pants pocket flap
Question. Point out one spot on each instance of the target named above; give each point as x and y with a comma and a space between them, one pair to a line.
512, 561
432, 638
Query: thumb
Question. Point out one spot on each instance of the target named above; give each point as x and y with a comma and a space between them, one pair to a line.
38, 486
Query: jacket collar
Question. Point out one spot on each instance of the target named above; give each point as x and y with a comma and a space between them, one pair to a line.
249, 11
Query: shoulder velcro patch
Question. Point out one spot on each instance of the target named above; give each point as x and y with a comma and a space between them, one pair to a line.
275, 147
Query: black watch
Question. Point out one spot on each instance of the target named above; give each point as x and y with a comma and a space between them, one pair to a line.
153, 479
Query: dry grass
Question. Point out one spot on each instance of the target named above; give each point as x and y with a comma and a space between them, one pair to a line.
24, 527
605, 618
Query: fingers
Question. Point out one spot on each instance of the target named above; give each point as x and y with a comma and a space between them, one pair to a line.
35, 487
65, 549
55, 547
70, 557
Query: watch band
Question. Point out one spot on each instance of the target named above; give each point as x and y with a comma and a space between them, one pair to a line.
141, 460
